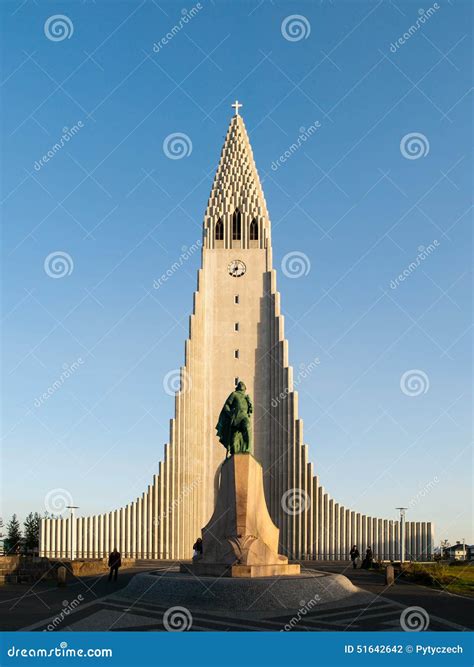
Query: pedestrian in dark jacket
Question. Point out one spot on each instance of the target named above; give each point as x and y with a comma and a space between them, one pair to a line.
369, 557
115, 561
354, 555
197, 547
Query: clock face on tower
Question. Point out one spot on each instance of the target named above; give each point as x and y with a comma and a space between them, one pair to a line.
236, 268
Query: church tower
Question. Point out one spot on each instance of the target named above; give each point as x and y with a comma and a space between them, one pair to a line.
236, 331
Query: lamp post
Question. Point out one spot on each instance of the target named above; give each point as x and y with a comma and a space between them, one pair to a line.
402, 533
72, 533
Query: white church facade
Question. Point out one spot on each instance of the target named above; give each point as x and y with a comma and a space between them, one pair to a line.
236, 330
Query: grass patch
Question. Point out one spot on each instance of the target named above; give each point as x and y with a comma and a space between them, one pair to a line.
455, 579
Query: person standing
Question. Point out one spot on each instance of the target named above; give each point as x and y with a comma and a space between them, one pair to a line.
354, 555
369, 557
115, 561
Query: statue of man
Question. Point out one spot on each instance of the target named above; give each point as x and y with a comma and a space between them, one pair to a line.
233, 428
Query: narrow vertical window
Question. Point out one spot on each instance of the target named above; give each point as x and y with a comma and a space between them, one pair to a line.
236, 354
236, 299
236, 326
254, 230
219, 230
236, 225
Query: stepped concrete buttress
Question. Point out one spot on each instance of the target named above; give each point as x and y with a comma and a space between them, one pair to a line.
241, 540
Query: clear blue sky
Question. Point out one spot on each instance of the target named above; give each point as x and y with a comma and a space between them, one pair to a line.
348, 198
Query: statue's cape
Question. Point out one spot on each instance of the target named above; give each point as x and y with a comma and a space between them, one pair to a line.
223, 426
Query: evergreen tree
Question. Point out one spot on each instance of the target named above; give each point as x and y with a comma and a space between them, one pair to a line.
31, 526
13, 535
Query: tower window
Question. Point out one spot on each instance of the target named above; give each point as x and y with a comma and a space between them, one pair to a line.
219, 230
236, 326
254, 230
236, 225
236, 299
236, 354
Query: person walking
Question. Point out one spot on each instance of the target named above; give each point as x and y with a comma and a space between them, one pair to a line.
354, 555
115, 561
369, 557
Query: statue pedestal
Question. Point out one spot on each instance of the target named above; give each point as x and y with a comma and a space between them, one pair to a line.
241, 539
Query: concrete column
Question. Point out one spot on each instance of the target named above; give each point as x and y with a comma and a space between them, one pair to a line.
101, 537
320, 523
315, 517
336, 532
424, 541
79, 551
418, 540
106, 534
139, 528
53, 538
330, 555
342, 533
155, 516
430, 540
128, 532
133, 520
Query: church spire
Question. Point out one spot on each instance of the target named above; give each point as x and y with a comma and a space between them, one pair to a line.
236, 191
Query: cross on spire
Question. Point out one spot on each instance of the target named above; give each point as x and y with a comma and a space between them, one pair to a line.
236, 106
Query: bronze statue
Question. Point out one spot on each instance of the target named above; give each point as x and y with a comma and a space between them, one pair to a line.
233, 428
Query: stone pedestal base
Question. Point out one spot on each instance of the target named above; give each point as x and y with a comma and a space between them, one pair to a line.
236, 571
241, 539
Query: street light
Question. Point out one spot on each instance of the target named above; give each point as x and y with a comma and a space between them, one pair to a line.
402, 533
72, 534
